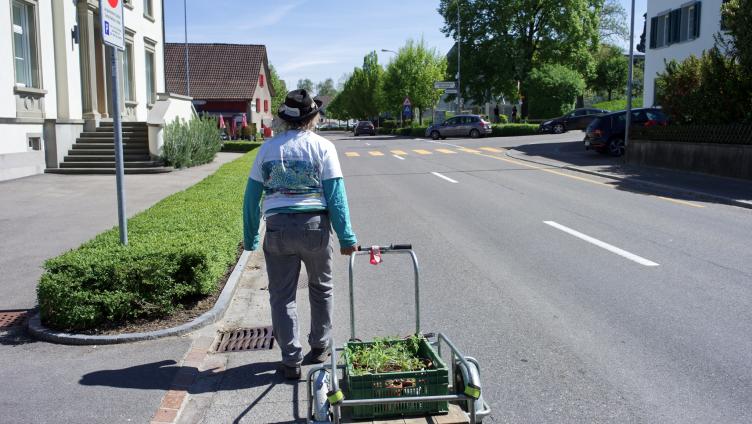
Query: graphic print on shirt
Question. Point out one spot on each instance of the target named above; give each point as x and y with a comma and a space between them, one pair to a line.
289, 177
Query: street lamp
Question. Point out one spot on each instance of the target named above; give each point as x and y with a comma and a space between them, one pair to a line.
629, 80
187, 69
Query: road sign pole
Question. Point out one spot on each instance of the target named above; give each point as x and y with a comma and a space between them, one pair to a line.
628, 116
118, 130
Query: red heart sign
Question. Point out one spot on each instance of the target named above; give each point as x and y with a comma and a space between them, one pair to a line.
113, 3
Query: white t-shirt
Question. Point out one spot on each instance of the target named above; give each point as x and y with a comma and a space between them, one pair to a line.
292, 167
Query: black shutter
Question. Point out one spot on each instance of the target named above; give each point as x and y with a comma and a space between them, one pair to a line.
697, 21
674, 26
653, 29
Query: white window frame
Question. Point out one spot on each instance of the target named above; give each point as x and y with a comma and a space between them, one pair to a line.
30, 36
150, 48
148, 6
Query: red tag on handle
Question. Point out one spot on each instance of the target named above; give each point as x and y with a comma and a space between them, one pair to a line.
375, 255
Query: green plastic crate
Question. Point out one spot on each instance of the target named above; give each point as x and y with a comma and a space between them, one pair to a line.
431, 382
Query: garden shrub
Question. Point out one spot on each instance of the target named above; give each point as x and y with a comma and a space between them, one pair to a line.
503, 119
178, 251
553, 90
389, 123
619, 104
191, 143
418, 131
240, 146
384, 131
511, 130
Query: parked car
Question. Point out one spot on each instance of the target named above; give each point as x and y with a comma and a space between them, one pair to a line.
364, 127
460, 126
577, 119
606, 133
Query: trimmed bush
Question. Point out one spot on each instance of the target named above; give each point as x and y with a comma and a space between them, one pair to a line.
418, 131
503, 119
179, 250
511, 130
553, 90
384, 131
191, 143
240, 146
404, 131
389, 123
619, 104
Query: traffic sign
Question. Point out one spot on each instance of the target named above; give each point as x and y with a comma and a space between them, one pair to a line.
450, 91
407, 102
113, 31
444, 84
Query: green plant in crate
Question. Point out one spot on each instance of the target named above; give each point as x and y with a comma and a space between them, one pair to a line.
388, 368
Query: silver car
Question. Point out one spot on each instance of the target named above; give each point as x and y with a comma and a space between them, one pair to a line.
460, 126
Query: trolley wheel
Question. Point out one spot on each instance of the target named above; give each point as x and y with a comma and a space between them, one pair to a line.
459, 385
320, 389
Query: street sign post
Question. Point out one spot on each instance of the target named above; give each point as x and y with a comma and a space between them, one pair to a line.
439, 85
407, 109
450, 91
113, 35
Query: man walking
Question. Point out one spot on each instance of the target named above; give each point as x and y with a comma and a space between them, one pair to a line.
299, 174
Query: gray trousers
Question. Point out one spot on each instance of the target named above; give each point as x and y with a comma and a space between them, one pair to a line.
290, 239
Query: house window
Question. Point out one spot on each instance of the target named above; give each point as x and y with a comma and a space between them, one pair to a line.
675, 26
151, 79
261, 80
266, 105
25, 44
258, 105
129, 92
148, 9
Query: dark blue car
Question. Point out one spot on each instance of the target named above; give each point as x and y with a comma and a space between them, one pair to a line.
606, 133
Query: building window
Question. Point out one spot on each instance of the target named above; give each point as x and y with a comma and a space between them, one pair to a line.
151, 75
148, 9
34, 143
675, 26
25, 44
261, 80
266, 105
258, 105
129, 91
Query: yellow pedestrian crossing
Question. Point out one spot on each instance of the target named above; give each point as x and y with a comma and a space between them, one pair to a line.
425, 152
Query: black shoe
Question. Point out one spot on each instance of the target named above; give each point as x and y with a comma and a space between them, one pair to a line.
292, 373
319, 355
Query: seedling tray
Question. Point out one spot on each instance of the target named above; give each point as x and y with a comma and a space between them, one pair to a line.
430, 382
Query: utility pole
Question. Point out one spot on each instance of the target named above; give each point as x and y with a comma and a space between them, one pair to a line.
459, 75
187, 65
628, 121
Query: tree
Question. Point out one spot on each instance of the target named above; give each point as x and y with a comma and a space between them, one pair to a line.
610, 71
612, 26
280, 88
556, 88
306, 84
737, 19
360, 95
326, 88
502, 41
412, 74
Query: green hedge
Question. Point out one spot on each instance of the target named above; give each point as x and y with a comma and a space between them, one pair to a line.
720, 134
384, 131
511, 130
179, 249
620, 104
191, 143
240, 146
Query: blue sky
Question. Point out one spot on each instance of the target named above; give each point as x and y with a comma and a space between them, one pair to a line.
317, 39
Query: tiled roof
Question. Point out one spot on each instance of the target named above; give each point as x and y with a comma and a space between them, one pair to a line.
218, 71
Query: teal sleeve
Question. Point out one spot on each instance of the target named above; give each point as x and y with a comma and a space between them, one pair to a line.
339, 212
252, 214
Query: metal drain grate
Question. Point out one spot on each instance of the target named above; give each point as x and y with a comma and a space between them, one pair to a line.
242, 339
12, 318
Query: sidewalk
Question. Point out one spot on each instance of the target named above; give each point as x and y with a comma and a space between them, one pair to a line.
45, 215
681, 184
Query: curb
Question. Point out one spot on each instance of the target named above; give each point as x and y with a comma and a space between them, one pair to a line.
41, 332
673, 189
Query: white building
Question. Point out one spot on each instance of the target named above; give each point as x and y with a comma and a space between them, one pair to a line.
56, 80
677, 29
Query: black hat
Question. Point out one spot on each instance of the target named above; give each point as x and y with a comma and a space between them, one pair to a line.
298, 106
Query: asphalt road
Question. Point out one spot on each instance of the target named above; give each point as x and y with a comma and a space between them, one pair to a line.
583, 300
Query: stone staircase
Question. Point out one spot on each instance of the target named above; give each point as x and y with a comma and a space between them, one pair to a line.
94, 152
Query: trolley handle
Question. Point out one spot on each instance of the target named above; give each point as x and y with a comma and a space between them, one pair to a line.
393, 246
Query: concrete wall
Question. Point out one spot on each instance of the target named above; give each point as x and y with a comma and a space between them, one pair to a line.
710, 24
168, 108
727, 160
